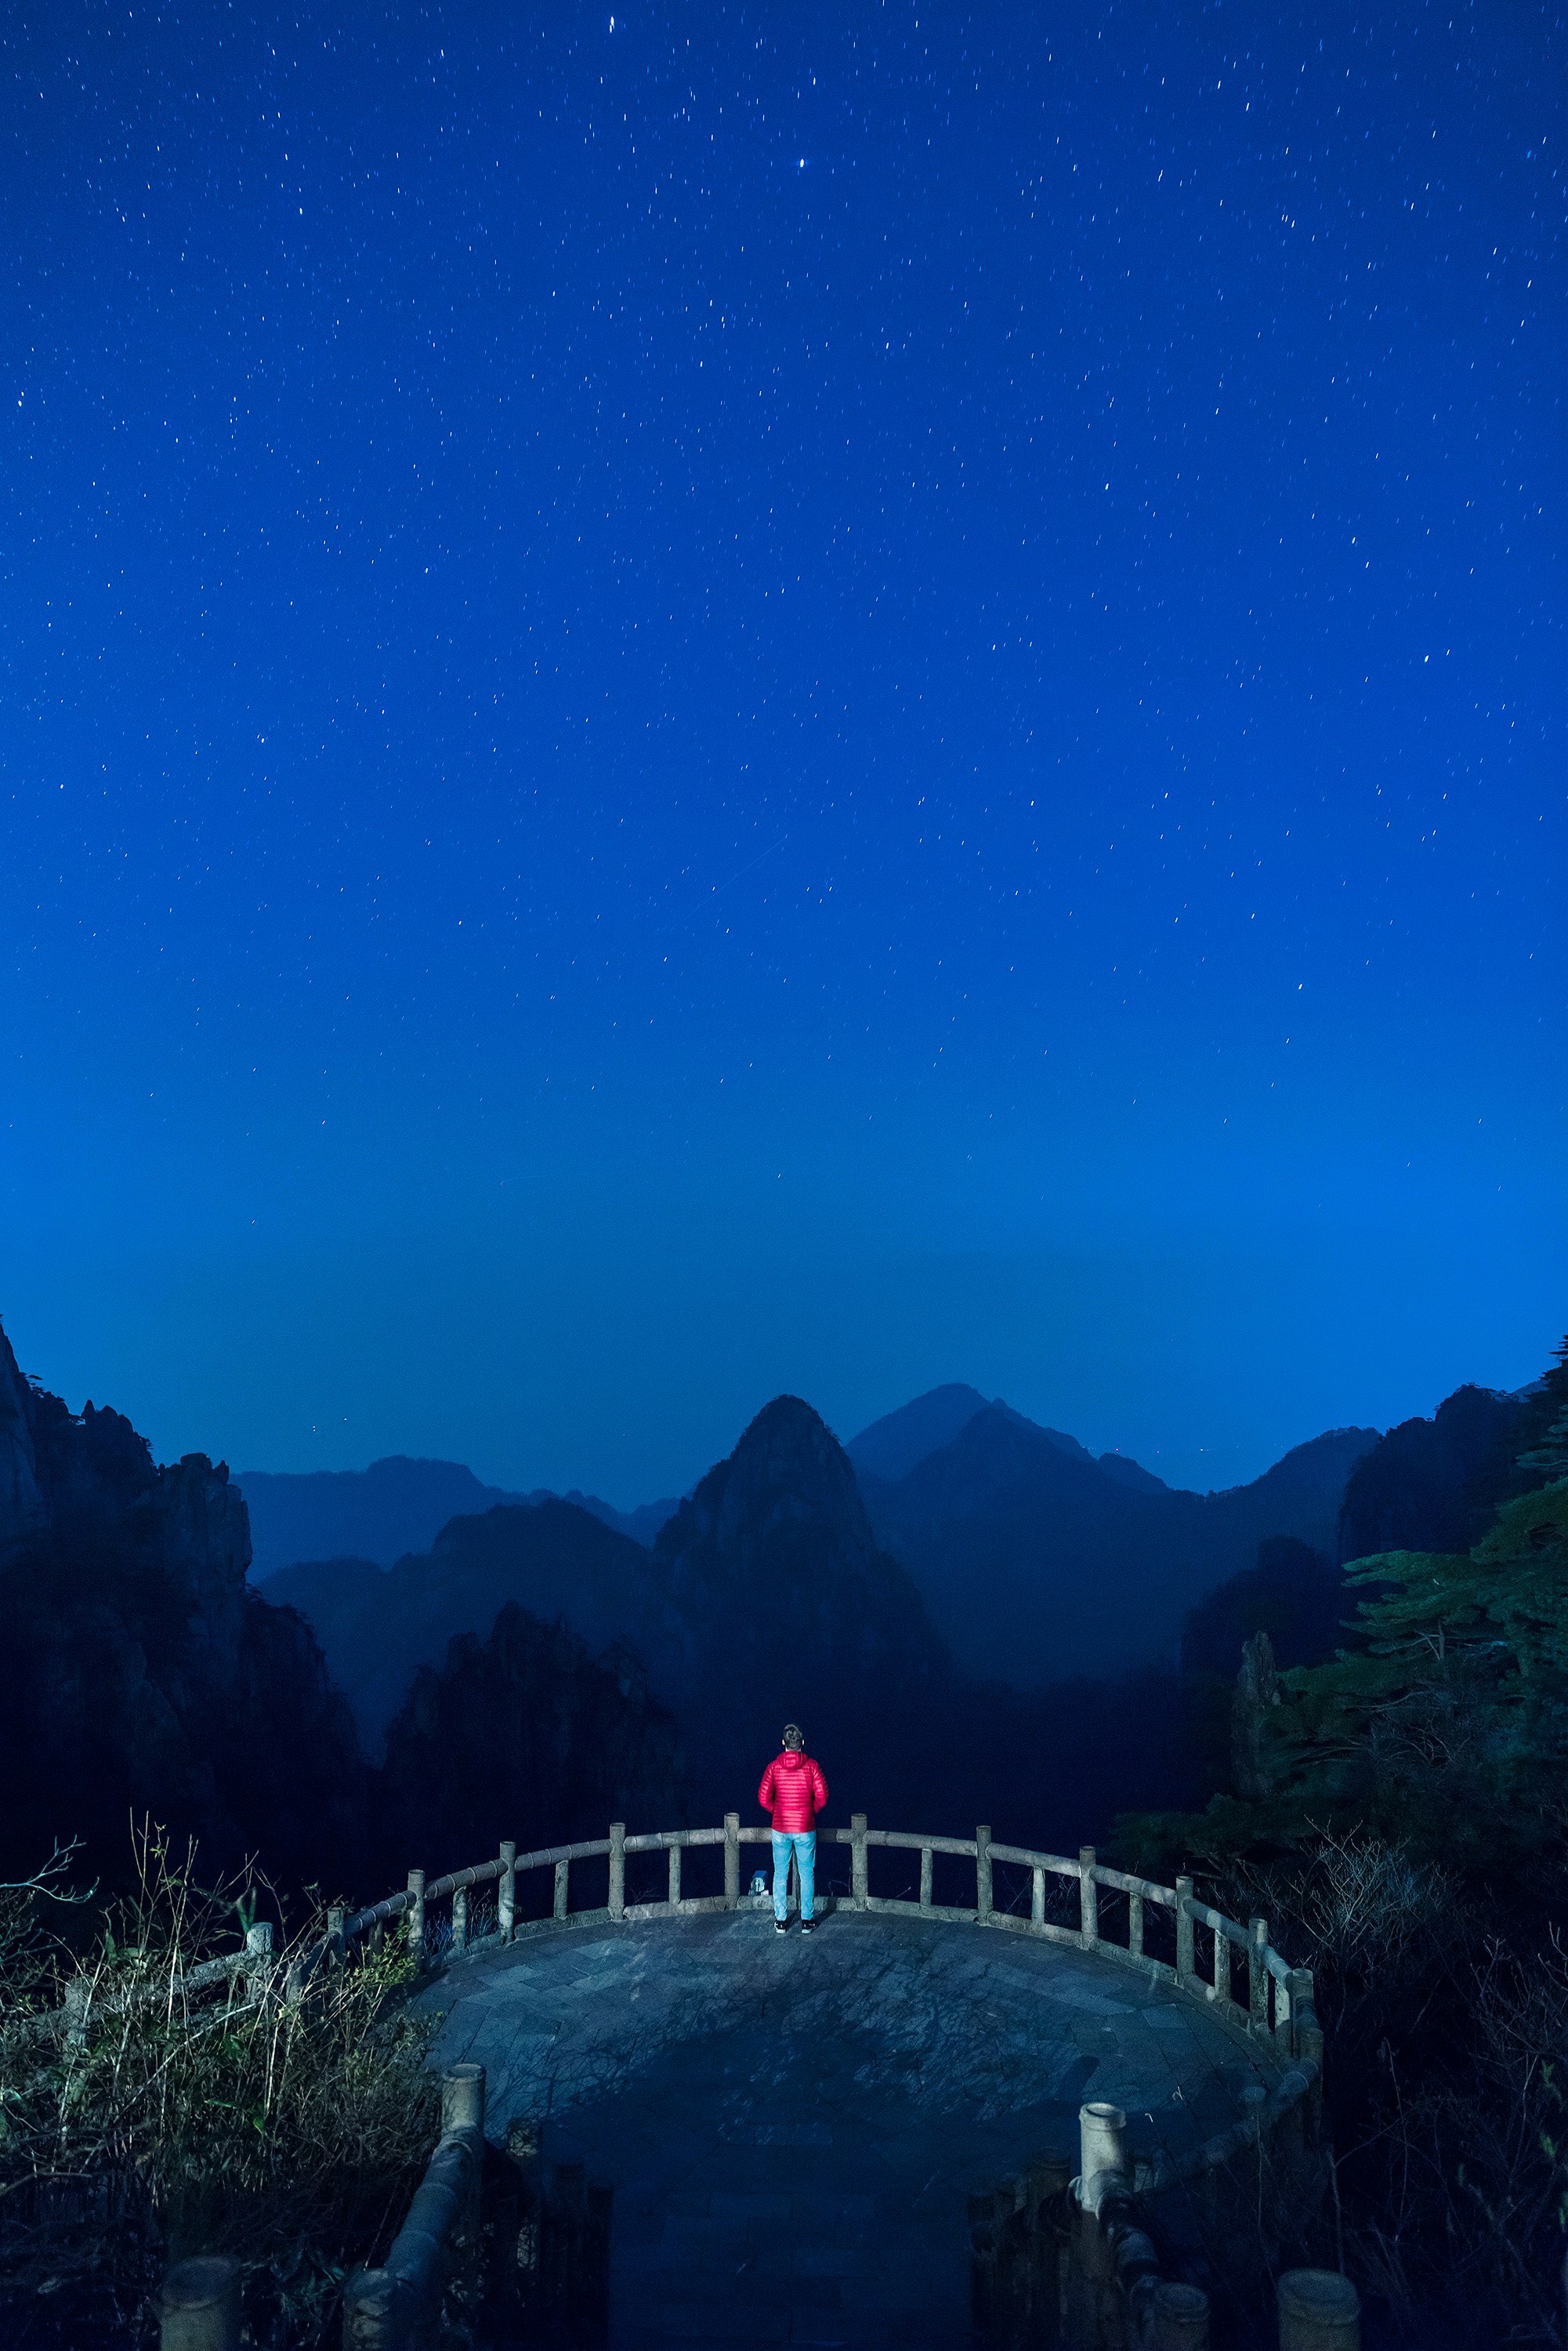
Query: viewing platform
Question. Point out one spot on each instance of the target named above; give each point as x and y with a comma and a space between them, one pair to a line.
822, 2140
793, 2128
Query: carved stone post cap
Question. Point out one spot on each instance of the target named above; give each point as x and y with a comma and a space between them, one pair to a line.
1178, 2318
207, 2283
1319, 2311
370, 2301
1100, 2110
462, 2098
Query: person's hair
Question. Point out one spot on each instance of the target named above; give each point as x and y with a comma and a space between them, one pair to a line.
792, 1735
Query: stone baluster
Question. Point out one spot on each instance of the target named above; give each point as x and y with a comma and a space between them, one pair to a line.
618, 1869
1184, 1932
337, 1916
198, 2309
1088, 1898
1220, 1972
415, 1915
462, 2098
78, 2008
1306, 2032
926, 1859
1101, 2149
507, 1892
562, 1888
1178, 2318
258, 1960
675, 1877
1037, 1899
1258, 1976
983, 1873
731, 1860
1135, 1925
1319, 2311
858, 1881
460, 1921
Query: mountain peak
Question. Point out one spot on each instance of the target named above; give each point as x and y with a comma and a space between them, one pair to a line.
891, 1447
787, 1474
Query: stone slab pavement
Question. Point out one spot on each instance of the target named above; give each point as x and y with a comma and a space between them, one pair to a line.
792, 2126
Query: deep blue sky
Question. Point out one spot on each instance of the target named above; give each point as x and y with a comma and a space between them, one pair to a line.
780, 697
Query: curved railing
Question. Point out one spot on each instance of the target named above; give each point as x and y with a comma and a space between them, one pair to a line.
1234, 1967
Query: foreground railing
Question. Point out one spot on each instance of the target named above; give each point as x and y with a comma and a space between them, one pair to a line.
1232, 1966
1109, 1912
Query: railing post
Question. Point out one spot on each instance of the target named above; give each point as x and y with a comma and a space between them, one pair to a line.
983, 1873
416, 1917
925, 1876
1319, 2311
618, 1869
198, 2309
1135, 1925
1178, 2318
731, 1860
1102, 2147
1306, 2032
1258, 1977
462, 2098
1184, 1931
460, 1919
336, 1914
1037, 1900
562, 1887
675, 1877
1088, 1898
77, 2006
857, 1880
258, 1956
506, 1891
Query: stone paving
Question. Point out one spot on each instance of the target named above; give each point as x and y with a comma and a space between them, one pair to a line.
792, 2127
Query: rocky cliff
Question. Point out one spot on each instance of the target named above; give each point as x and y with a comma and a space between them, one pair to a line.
145, 1675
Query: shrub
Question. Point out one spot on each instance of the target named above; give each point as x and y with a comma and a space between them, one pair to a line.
191, 2117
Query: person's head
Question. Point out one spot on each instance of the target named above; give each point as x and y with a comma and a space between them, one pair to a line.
794, 1737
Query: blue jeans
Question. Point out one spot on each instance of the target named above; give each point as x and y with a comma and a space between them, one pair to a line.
804, 1849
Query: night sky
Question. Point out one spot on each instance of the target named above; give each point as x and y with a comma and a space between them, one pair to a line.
813, 697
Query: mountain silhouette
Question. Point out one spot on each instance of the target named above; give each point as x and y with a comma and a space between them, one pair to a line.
144, 1675
1435, 1485
395, 1506
1037, 1563
380, 1626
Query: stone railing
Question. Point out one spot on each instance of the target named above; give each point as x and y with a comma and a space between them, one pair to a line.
1233, 1968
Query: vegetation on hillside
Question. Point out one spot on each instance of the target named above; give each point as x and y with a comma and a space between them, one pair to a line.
182, 2118
1402, 1826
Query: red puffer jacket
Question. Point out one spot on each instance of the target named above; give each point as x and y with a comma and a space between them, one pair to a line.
794, 1790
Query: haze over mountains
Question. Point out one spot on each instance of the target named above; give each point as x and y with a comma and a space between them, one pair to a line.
532, 1663
1031, 1560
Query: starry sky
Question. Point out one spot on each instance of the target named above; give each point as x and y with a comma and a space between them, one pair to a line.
779, 696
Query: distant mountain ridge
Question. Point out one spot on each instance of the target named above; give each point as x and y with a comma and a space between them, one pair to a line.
398, 1505
765, 1595
891, 1447
1037, 1562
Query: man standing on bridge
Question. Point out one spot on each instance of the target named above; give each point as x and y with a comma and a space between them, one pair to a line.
794, 1790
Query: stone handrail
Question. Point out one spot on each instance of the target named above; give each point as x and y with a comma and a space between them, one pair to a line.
382, 2307
1274, 2001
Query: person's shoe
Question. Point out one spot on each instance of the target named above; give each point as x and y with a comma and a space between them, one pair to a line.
807, 1925
780, 1927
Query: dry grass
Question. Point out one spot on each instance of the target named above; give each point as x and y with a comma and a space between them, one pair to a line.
223, 2117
